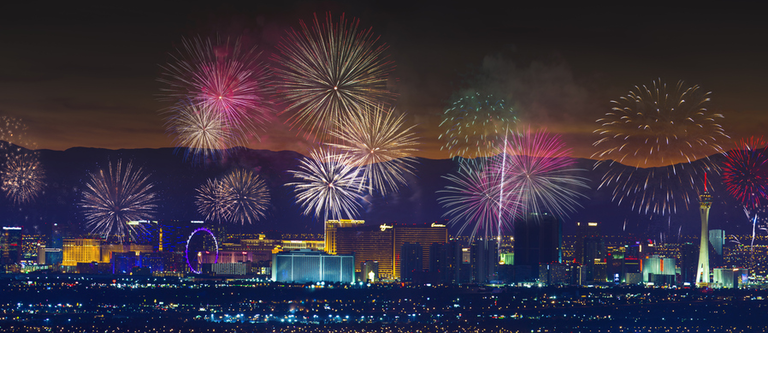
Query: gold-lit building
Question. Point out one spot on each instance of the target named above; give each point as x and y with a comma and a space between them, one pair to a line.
425, 235
108, 249
331, 226
81, 251
367, 243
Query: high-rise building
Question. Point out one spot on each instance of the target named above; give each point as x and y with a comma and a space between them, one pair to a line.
424, 235
702, 270
312, 266
331, 226
717, 238
10, 246
81, 251
367, 243
538, 239
411, 264
485, 259
688, 259
445, 260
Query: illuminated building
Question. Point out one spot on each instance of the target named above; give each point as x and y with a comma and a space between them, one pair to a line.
31, 246
659, 270
107, 250
81, 251
424, 235
538, 239
331, 226
730, 278
234, 269
312, 266
369, 271
367, 243
553, 274
583, 231
702, 270
411, 262
10, 246
717, 238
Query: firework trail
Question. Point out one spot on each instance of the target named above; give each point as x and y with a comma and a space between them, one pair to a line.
473, 200
21, 173
112, 198
246, 196
200, 131
378, 144
328, 71
213, 200
476, 125
223, 78
656, 143
328, 185
745, 174
22, 178
540, 174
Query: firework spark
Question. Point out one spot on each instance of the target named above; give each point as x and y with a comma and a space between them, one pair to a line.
213, 200
377, 143
475, 125
22, 178
246, 197
656, 143
112, 198
22, 174
540, 174
745, 172
201, 132
225, 78
328, 185
473, 199
330, 71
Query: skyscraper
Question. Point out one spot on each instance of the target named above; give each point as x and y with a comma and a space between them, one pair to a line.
702, 272
411, 262
424, 234
538, 239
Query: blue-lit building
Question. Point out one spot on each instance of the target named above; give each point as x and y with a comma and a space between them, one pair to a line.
312, 266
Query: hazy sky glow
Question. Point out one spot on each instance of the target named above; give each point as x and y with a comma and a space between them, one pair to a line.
88, 77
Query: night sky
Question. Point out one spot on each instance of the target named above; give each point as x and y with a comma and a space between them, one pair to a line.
88, 76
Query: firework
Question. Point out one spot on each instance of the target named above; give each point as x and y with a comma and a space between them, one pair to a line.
745, 172
213, 200
112, 198
201, 132
330, 71
656, 143
377, 143
540, 174
22, 174
328, 185
474, 198
22, 178
475, 125
245, 196
226, 79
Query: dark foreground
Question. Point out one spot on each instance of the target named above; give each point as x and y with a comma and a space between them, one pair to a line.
60, 303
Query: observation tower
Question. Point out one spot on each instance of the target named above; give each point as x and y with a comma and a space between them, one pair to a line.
702, 271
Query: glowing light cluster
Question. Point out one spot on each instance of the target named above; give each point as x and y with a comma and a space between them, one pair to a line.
21, 173
328, 71
475, 123
328, 186
656, 142
377, 143
239, 197
113, 197
221, 88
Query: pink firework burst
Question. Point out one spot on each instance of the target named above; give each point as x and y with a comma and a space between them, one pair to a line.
540, 174
225, 77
